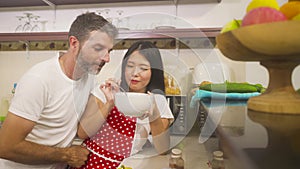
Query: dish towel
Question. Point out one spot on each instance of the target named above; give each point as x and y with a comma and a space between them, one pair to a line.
203, 94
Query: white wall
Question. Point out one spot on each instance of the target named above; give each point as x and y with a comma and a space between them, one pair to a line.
139, 17
180, 63
14, 64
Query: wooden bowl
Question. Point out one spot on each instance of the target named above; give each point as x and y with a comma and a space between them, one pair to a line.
270, 41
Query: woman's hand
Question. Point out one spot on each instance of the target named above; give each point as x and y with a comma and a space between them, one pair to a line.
153, 113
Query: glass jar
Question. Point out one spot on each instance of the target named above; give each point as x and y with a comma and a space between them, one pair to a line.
176, 161
218, 160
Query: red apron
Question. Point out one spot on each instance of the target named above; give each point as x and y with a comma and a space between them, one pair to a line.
112, 143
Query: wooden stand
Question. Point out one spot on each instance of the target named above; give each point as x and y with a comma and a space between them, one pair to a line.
277, 47
280, 96
283, 149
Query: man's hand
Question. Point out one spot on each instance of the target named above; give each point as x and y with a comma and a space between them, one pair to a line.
109, 88
76, 156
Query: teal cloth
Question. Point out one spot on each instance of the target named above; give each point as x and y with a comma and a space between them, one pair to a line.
217, 103
203, 94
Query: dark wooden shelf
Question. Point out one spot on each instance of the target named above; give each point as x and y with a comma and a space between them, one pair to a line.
130, 34
164, 38
36, 36
170, 33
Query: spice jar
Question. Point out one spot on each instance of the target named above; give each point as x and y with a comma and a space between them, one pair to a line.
176, 161
218, 160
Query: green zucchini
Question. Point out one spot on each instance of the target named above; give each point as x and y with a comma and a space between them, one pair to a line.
232, 87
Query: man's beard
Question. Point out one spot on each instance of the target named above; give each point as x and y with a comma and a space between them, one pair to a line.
88, 67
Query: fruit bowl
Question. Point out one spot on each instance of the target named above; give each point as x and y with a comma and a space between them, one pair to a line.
275, 41
277, 47
133, 104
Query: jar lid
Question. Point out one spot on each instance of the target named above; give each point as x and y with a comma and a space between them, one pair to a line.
218, 153
176, 151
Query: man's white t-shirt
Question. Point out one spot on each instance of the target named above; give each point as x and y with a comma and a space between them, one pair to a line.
54, 102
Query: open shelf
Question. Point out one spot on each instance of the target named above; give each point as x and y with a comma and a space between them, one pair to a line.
163, 38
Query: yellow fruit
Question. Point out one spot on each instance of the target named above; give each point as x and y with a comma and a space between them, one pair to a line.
231, 25
262, 3
296, 18
290, 9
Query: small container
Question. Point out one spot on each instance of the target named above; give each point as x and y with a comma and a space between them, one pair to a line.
176, 161
14, 88
218, 160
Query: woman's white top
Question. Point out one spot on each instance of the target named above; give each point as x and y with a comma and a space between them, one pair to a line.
163, 107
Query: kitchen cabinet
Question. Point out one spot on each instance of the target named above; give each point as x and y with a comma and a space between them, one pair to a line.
10, 4
163, 38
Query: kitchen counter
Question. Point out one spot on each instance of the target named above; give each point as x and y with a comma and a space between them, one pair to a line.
251, 139
194, 154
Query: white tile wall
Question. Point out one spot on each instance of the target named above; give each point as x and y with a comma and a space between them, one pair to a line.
179, 63
14, 64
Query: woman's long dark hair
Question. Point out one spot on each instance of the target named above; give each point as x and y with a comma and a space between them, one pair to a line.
152, 54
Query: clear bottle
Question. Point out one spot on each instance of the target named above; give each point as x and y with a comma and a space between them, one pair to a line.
14, 88
218, 160
176, 161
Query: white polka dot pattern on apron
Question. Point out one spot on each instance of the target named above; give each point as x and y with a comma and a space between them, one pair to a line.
113, 141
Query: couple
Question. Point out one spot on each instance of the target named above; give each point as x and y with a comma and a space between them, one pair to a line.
55, 102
